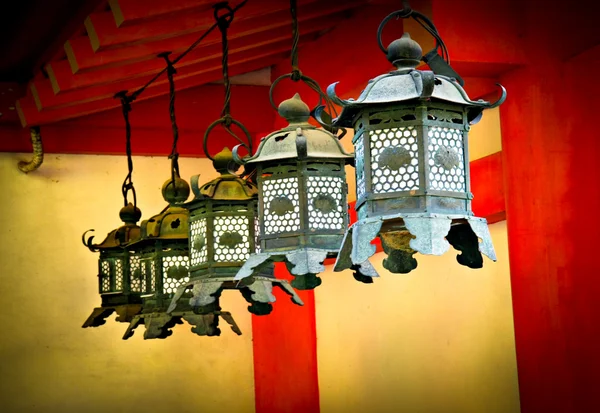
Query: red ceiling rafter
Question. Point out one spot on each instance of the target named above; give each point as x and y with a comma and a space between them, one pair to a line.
128, 12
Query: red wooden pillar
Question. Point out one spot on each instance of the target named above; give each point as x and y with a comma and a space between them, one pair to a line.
551, 148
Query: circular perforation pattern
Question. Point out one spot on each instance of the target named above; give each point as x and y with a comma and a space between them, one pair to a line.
198, 239
232, 225
105, 276
135, 272
440, 177
333, 187
359, 156
290, 221
118, 275
180, 262
406, 178
149, 275
256, 235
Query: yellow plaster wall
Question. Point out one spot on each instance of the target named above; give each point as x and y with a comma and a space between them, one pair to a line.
48, 287
437, 340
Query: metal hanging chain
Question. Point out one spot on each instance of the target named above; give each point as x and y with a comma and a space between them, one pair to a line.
223, 21
296, 74
420, 18
128, 182
174, 156
139, 91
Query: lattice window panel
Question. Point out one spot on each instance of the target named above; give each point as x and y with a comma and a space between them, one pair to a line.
170, 284
104, 276
228, 229
256, 235
333, 188
136, 273
283, 188
359, 154
441, 178
198, 246
149, 273
118, 275
406, 178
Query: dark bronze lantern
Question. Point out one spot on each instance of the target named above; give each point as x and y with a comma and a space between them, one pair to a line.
412, 171
162, 267
119, 291
222, 236
302, 196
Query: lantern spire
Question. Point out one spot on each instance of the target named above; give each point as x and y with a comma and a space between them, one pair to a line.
404, 53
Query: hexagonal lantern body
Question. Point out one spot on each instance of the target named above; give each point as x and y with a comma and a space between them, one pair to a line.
163, 267
119, 291
302, 196
222, 236
412, 171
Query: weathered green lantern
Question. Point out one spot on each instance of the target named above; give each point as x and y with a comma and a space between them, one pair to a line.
302, 191
412, 167
222, 236
163, 266
119, 291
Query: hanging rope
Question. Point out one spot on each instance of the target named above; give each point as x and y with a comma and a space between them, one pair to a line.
223, 20
296, 75
128, 182
174, 156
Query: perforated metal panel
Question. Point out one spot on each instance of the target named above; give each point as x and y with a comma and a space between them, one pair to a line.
231, 239
198, 247
148, 274
104, 276
135, 272
256, 235
281, 204
175, 272
359, 154
446, 159
325, 197
152, 276
118, 274
394, 159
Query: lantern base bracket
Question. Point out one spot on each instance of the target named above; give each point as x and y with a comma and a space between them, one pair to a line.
125, 313
403, 235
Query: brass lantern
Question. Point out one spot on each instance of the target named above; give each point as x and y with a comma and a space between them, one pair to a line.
302, 187
119, 291
222, 236
163, 266
412, 167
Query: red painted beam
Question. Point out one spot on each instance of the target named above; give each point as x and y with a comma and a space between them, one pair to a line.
63, 79
128, 12
83, 58
103, 133
487, 185
30, 115
104, 33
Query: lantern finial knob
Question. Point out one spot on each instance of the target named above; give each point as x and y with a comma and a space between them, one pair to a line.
294, 110
404, 53
223, 162
175, 191
130, 214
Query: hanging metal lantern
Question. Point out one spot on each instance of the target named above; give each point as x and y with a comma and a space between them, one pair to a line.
162, 267
120, 292
412, 171
222, 236
302, 191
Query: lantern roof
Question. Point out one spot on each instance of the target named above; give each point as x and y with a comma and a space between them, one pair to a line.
228, 186
407, 83
170, 223
120, 237
298, 140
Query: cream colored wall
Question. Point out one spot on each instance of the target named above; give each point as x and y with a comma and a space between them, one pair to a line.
48, 287
437, 340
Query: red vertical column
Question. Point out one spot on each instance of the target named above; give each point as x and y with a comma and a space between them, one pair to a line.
285, 355
551, 148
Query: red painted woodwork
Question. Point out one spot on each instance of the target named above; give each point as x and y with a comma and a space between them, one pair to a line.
487, 185
550, 154
285, 355
82, 56
104, 33
127, 12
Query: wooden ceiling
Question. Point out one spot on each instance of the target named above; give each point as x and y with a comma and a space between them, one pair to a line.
114, 47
